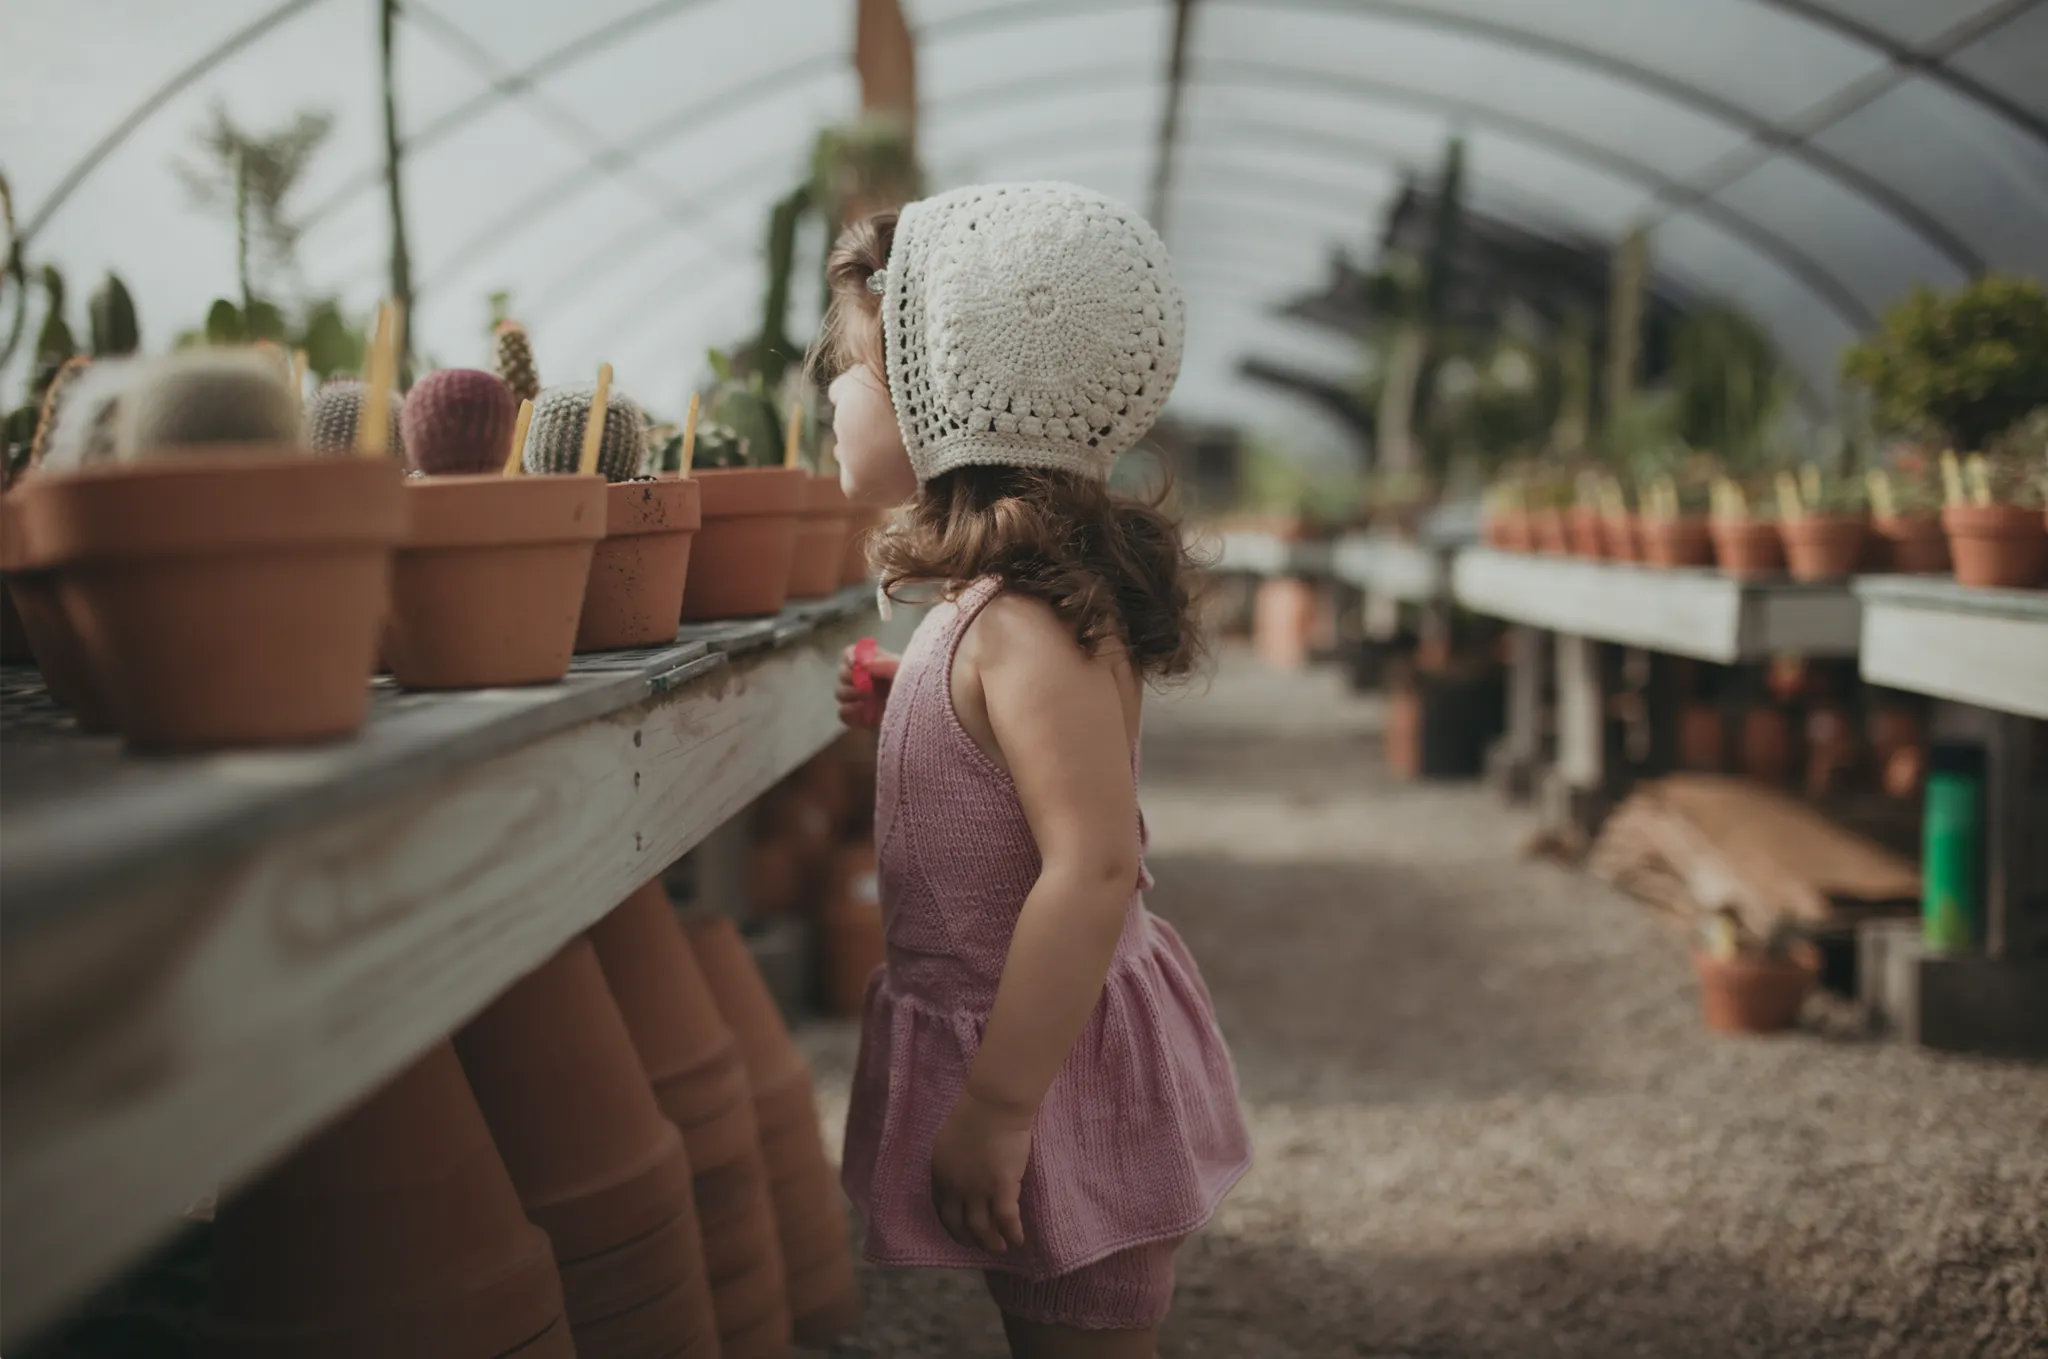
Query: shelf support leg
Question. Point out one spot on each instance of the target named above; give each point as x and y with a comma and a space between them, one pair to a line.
1511, 764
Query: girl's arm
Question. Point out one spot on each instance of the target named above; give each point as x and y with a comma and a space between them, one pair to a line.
1057, 717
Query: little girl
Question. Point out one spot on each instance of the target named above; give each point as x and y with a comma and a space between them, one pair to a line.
1042, 1093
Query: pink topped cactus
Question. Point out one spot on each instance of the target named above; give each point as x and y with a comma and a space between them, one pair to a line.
458, 422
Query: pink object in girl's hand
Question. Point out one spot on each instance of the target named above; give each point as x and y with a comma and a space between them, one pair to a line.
864, 679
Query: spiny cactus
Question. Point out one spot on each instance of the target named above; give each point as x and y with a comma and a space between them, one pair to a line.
515, 361
207, 397
331, 417
717, 446
53, 399
554, 440
457, 422
83, 427
112, 314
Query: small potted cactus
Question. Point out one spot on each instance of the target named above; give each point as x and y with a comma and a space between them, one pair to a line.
1823, 523
1504, 516
752, 506
1747, 545
1996, 530
1584, 520
1751, 983
226, 589
1671, 522
1905, 518
1620, 535
490, 580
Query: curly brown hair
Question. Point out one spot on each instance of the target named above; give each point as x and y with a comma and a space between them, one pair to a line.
1114, 569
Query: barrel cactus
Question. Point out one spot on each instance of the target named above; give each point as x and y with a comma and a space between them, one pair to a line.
82, 426
331, 417
458, 422
515, 361
554, 439
207, 397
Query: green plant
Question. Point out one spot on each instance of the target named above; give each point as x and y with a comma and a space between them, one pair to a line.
1959, 367
250, 176
112, 314
331, 414
743, 406
512, 353
554, 440
13, 274
1728, 385
2014, 467
54, 342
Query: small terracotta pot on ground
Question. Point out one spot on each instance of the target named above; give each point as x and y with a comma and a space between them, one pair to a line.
810, 1213
1619, 536
821, 535
1997, 546
1747, 549
1766, 745
639, 568
1702, 738
850, 917
1754, 993
1823, 546
747, 545
1914, 544
700, 1081
861, 527
1283, 617
1583, 530
490, 579
596, 1164
1552, 536
1672, 543
395, 1233
220, 599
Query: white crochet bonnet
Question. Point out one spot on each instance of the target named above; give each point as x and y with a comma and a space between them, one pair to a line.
1028, 325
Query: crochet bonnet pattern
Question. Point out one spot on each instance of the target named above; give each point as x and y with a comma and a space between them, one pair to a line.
1030, 325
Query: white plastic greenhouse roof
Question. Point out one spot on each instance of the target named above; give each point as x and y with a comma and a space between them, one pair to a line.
611, 162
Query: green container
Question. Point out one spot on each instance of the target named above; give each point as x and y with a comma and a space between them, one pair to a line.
1951, 858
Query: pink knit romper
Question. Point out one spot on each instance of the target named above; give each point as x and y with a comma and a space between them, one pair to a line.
1139, 1136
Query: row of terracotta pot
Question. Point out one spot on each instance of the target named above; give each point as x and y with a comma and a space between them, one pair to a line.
1993, 546
222, 600
619, 1159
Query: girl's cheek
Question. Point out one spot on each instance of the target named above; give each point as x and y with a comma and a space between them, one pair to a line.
873, 468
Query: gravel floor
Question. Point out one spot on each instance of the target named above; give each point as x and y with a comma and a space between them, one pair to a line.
1488, 1121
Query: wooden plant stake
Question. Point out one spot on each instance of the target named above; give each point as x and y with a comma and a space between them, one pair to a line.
690, 435
1979, 472
515, 461
793, 442
1952, 479
593, 428
1880, 488
1809, 484
1789, 507
373, 419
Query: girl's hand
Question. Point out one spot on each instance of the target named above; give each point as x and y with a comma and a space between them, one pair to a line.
862, 707
978, 1173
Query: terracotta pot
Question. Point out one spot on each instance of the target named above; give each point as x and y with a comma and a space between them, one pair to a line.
700, 1082
860, 530
675, 1325
1515, 532
851, 921
1915, 544
68, 672
1903, 770
1618, 533
394, 1232
1672, 543
490, 579
638, 1276
14, 647
1831, 750
638, 569
1702, 738
224, 600
775, 875
821, 535
1997, 546
747, 546
1823, 546
1747, 549
1766, 745
1283, 619
1892, 727
1553, 537
768, 1339
1755, 994
1583, 531
806, 1193
555, 1342
561, 1085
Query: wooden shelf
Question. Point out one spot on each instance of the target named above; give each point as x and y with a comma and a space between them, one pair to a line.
1983, 647
1697, 613
203, 960
1401, 568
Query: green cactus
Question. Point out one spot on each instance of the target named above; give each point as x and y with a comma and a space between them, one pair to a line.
513, 352
112, 314
330, 423
717, 446
554, 439
206, 398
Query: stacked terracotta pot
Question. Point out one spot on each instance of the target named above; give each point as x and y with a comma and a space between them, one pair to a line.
394, 1234
699, 1078
823, 528
597, 1164
824, 1298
